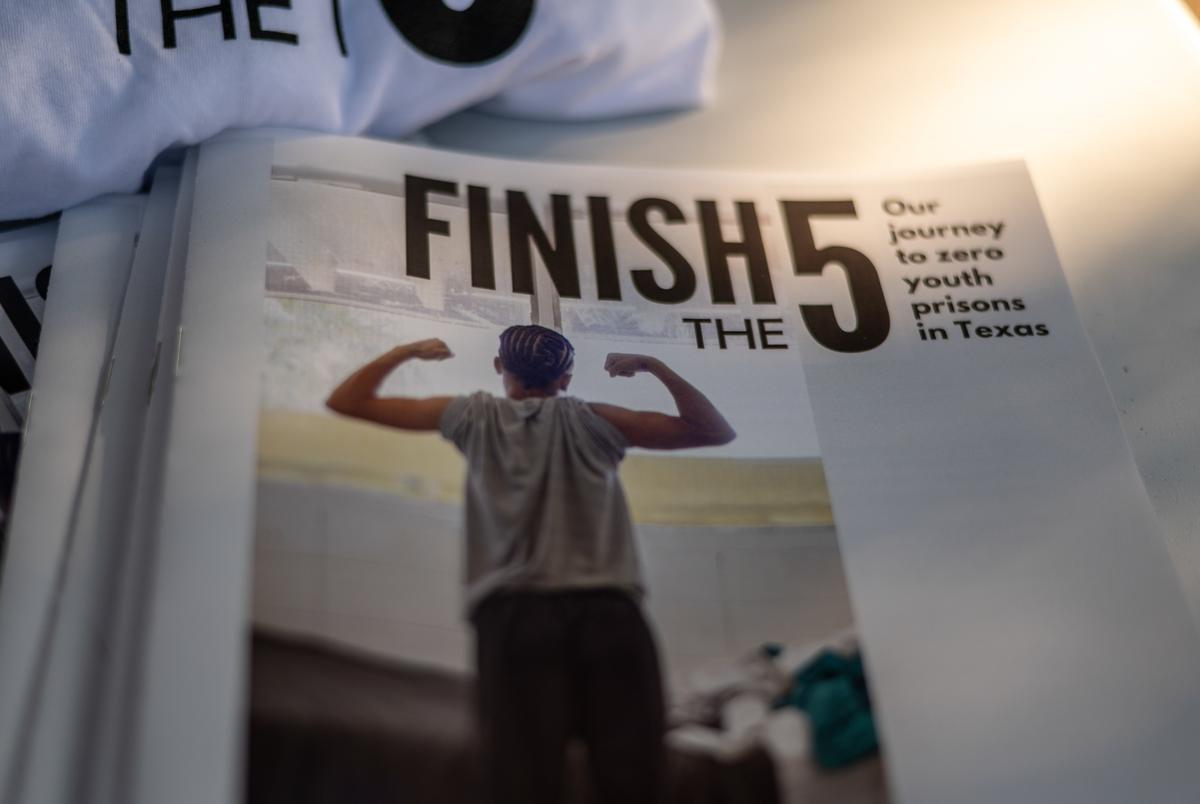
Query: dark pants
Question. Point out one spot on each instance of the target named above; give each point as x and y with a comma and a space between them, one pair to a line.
558, 665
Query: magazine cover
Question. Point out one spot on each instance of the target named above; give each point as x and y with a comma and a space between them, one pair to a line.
92, 257
579, 481
683, 478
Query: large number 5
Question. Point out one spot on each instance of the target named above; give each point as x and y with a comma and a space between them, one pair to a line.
866, 293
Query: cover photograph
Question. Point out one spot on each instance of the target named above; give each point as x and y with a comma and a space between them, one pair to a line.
433, 450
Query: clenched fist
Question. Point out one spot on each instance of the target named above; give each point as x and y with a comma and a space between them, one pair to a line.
429, 349
622, 365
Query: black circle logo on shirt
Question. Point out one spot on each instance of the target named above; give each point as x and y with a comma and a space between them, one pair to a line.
482, 31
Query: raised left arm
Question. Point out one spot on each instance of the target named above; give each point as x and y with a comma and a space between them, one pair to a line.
356, 396
698, 424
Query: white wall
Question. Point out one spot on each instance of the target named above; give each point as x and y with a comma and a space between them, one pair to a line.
383, 573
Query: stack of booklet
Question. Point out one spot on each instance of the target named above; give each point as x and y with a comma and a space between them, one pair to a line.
924, 569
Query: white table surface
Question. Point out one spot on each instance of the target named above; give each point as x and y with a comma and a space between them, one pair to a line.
1100, 98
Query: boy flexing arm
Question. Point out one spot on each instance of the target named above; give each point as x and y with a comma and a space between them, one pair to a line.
356, 396
698, 423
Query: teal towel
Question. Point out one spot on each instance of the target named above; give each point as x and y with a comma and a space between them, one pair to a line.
832, 690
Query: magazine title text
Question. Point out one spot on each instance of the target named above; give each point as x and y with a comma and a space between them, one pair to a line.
646, 218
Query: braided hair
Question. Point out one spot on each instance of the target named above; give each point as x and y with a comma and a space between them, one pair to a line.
535, 355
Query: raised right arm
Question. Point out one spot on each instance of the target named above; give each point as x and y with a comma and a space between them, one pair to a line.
357, 397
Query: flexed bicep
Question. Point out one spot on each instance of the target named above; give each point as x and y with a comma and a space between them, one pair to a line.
356, 395
698, 424
403, 413
654, 430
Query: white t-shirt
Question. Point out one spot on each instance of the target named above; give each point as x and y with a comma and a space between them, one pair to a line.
92, 90
544, 505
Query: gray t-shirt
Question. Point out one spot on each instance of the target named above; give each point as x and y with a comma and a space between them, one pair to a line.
545, 509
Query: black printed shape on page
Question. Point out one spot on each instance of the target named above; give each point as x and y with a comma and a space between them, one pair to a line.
485, 30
